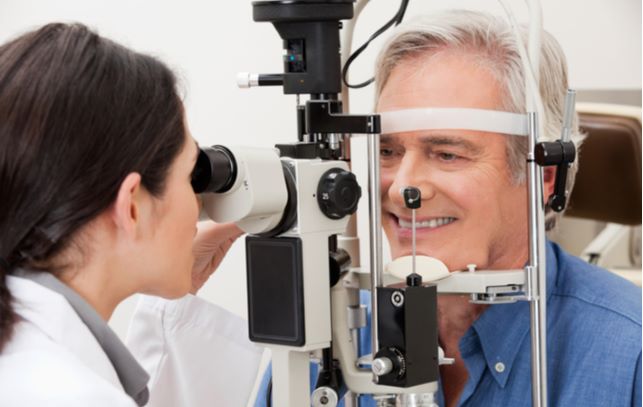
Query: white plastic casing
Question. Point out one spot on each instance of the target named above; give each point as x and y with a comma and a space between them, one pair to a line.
258, 197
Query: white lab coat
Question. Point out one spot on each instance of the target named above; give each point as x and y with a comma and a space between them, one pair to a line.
196, 353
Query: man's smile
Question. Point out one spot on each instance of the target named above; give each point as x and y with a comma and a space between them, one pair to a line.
423, 225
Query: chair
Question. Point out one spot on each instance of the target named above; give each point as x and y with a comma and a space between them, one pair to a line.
608, 186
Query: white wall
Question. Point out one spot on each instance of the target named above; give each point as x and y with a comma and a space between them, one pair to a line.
207, 43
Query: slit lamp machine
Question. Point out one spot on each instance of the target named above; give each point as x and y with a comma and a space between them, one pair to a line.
297, 202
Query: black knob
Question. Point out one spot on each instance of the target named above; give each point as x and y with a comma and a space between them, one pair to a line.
414, 280
338, 193
398, 369
412, 197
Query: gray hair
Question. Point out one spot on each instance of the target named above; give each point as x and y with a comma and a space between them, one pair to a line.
493, 42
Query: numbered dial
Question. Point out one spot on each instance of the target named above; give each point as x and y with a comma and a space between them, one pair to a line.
338, 193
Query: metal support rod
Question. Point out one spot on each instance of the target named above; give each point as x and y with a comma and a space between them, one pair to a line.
568, 119
290, 377
352, 399
375, 230
536, 270
349, 240
355, 323
413, 234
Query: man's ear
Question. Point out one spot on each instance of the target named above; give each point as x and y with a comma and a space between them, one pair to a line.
549, 179
126, 211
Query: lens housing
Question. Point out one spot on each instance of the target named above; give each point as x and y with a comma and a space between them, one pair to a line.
215, 170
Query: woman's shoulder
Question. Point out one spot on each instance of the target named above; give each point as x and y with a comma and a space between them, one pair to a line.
35, 370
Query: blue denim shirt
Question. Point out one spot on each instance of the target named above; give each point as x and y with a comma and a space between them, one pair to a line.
593, 343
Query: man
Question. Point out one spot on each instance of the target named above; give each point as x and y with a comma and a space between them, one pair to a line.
474, 210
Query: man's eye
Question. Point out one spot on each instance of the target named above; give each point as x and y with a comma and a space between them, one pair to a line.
386, 152
447, 156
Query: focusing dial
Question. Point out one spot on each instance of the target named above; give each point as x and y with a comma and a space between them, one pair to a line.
338, 193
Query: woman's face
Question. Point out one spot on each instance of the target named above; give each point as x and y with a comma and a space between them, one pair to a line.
173, 227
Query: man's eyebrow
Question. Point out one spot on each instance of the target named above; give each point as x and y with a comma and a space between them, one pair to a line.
436, 140
452, 141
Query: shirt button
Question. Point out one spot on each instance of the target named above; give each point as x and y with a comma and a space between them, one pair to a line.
500, 367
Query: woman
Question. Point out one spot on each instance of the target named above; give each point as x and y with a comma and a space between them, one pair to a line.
96, 204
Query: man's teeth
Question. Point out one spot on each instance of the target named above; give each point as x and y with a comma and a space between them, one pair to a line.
432, 223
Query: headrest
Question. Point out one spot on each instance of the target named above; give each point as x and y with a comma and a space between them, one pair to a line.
608, 182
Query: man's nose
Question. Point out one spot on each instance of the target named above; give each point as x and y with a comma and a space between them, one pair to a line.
412, 172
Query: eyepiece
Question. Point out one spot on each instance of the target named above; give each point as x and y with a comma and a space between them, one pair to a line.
215, 170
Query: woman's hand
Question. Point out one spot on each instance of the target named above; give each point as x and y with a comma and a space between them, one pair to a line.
211, 243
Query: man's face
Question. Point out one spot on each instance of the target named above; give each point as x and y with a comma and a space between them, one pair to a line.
472, 212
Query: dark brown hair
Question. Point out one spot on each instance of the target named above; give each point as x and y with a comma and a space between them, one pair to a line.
78, 113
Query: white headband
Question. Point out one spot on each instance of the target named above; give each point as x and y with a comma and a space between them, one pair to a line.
493, 121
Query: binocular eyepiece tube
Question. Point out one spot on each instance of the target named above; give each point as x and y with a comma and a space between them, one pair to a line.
215, 170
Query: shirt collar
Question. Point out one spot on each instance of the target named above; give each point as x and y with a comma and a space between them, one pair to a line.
132, 376
502, 328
